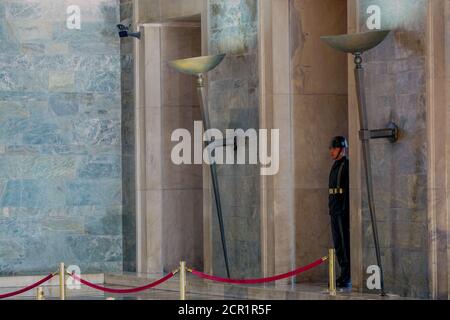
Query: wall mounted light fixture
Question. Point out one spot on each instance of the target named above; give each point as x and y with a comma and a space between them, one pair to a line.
197, 67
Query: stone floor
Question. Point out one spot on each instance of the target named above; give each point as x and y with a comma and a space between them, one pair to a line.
199, 289
52, 293
214, 290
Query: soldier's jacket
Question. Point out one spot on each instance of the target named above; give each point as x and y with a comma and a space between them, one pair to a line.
338, 201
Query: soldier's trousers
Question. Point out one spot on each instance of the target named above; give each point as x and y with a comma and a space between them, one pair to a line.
340, 228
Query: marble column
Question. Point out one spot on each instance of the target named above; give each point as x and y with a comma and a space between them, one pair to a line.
170, 227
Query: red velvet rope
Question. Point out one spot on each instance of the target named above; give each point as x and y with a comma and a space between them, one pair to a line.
124, 291
31, 287
260, 280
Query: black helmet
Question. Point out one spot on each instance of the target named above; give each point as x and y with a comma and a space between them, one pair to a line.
339, 142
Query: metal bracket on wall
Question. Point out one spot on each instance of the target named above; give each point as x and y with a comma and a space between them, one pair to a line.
222, 143
391, 133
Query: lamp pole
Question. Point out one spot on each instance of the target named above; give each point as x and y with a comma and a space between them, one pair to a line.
197, 67
213, 169
365, 136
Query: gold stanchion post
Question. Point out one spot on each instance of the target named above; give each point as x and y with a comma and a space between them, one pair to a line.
331, 272
62, 281
40, 293
182, 280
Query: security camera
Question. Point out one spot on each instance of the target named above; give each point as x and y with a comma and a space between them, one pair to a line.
125, 33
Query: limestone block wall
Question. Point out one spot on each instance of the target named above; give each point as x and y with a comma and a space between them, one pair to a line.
443, 289
182, 185
319, 100
60, 137
157, 10
396, 88
170, 215
234, 103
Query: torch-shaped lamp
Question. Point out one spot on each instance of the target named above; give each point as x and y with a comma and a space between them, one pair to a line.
197, 67
357, 44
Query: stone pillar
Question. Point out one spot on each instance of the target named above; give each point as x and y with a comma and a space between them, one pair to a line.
170, 227
445, 212
233, 94
277, 214
405, 84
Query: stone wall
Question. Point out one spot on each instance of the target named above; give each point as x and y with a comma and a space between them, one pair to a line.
396, 90
60, 141
319, 103
234, 103
181, 186
160, 10
444, 253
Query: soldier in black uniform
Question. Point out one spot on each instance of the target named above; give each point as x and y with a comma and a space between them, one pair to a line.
338, 204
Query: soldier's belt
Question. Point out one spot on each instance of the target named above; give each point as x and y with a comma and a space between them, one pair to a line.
336, 191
